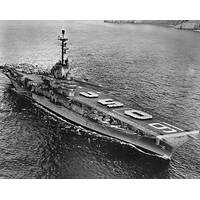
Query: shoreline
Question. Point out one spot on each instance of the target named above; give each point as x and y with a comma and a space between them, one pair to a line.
191, 25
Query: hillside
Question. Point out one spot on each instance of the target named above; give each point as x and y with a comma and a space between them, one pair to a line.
179, 24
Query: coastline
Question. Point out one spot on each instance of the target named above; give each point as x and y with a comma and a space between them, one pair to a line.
193, 25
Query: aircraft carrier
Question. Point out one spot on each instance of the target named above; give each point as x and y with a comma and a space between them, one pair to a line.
86, 104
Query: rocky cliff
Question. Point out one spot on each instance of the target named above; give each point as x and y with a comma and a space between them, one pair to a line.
179, 24
189, 25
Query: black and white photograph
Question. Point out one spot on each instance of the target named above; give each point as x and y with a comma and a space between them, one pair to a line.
100, 98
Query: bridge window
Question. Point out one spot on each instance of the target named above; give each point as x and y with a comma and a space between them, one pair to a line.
110, 103
137, 114
89, 94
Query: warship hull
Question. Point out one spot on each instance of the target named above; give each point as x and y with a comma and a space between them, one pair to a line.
145, 145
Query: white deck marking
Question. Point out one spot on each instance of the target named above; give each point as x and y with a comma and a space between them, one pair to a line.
137, 114
89, 94
110, 103
172, 126
162, 127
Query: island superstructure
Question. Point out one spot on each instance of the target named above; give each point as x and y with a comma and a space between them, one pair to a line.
86, 104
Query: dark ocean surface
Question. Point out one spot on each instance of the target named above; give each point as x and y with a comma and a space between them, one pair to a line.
147, 66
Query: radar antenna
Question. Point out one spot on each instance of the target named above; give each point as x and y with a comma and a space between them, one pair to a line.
63, 45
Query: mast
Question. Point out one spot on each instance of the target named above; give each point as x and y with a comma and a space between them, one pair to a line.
63, 45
